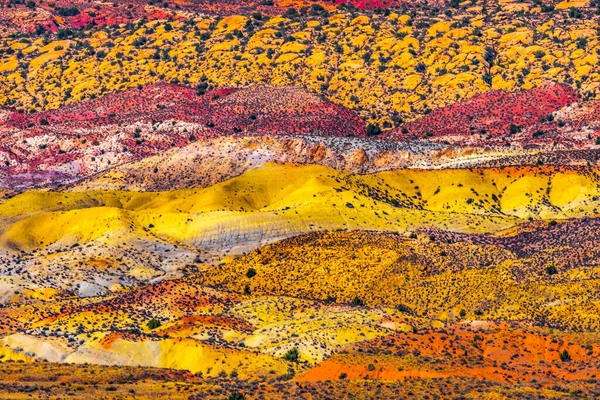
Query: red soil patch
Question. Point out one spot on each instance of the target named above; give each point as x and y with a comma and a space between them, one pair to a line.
491, 113
257, 110
124, 126
499, 353
180, 296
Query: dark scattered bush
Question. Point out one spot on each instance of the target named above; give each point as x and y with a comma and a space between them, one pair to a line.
236, 396
551, 270
357, 302
373, 130
67, 11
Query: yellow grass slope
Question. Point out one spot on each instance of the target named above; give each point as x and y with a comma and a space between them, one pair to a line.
186, 354
433, 279
283, 200
377, 64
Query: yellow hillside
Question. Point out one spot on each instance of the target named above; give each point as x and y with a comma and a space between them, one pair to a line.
282, 200
186, 354
377, 64
423, 276
380, 270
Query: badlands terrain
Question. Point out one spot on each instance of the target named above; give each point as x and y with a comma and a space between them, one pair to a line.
283, 199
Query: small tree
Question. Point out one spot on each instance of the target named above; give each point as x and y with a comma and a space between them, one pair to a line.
565, 356
292, 355
251, 273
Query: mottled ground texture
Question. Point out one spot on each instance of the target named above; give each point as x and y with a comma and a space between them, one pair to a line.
289, 199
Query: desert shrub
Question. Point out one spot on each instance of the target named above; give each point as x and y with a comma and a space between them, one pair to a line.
67, 11
153, 324
403, 308
551, 270
546, 8
575, 13
330, 299
357, 302
514, 129
373, 130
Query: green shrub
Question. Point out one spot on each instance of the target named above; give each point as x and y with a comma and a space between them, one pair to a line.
153, 324
551, 270
292, 355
